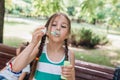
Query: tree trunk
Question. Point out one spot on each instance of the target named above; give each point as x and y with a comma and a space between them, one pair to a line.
2, 10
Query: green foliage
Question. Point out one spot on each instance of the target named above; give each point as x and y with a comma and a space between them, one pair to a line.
85, 34
88, 9
87, 37
28, 1
46, 7
95, 40
113, 18
8, 5
103, 39
70, 10
21, 7
91, 11
100, 15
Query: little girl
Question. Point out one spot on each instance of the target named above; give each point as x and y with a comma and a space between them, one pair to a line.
48, 57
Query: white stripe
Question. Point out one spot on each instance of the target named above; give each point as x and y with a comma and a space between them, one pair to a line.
33, 79
49, 68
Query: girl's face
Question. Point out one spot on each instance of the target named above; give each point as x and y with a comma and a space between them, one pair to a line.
59, 26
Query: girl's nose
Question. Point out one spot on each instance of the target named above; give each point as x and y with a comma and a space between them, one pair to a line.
58, 27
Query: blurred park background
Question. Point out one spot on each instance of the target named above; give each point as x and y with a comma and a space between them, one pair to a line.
95, 34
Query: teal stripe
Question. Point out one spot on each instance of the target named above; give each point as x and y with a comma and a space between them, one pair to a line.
44, 59
46, 76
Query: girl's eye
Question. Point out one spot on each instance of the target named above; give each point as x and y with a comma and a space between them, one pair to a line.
63, 26
53, 25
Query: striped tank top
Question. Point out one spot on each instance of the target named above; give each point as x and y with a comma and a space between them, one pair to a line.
47, 69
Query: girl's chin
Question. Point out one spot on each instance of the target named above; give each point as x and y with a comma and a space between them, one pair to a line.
57, 40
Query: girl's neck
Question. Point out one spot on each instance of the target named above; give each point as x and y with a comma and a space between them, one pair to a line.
55, 47
55, 51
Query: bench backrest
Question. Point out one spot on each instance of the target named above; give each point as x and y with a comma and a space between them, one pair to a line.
7, 49
90, 71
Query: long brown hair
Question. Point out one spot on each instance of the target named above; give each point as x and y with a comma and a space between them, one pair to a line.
50, 20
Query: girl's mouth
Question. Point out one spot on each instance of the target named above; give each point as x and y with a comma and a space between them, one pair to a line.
56, 33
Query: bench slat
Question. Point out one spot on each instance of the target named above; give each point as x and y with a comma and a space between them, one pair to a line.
93, 72
7, 49
95, 66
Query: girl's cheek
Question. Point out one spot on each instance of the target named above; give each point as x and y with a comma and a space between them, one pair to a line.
65, 33
52, 29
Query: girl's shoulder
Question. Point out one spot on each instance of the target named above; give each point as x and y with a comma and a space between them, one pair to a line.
71, 57
71, 53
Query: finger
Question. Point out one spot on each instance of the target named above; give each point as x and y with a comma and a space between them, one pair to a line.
67, 75
67, 72
68, 67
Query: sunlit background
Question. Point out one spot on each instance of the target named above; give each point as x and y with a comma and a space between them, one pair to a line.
95, 34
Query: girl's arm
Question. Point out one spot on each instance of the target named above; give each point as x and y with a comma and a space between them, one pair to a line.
22, 76
29, 53
23, 59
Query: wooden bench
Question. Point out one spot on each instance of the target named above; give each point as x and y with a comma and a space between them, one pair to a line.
90, 71
6, 53
83, 70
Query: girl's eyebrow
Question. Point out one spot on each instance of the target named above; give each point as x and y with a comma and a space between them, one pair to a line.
54, 21
65, 23
62, 22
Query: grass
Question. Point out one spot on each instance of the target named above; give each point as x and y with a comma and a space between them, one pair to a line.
17, 32
94, 56
106, 57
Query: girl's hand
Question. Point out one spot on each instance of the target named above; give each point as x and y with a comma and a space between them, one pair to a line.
67, 71
37, 35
